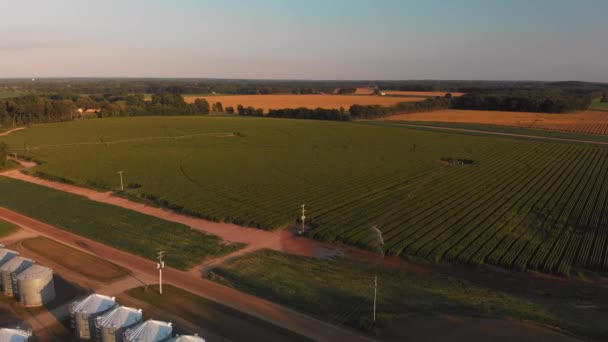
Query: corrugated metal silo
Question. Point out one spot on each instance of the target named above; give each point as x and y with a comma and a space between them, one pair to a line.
149, 331
9, 272
187, 338
112, 325
5, 256
85, 311
15, 335
36, 286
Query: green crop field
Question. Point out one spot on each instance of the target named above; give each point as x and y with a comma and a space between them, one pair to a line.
6, 228
524, 204
340, 291
121, 228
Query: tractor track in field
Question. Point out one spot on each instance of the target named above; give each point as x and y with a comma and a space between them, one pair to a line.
121, 141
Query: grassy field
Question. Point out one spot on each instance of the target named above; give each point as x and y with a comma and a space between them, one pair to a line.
340, 291
6, 228
590, 122
121, 228
598, 105
294, 101
522, 204
220, 320
85, 264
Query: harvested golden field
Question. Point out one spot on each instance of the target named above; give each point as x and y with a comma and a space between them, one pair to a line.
295, 101
581, 122
418, 93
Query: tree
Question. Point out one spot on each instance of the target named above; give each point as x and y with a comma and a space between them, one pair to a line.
3, 154
218, 107
240, 109
229, 110
605, 98
85, 103
448, 95
201, 106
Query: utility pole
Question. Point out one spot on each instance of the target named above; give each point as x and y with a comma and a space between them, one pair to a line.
377, 235
303, 218
122, 186
160, 265
375, 295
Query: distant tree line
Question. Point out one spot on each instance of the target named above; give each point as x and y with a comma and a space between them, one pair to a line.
249, 111
311, 114
350, 90
31, 109
373, 112
228, 86
604, 98
524, 101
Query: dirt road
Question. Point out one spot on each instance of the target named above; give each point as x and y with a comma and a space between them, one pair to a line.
253, 306
11, 131
283, 240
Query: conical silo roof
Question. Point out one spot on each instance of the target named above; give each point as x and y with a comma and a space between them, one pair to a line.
149, 331
34, 272
16, 263
6, 255
121, 316
93, 304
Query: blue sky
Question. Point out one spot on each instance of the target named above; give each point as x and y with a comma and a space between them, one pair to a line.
313, 39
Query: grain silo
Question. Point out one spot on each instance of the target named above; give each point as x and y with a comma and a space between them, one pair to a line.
15, 335
112, 325
187, 338
36, 286
5, 256
9, 272
85, 311
149, 331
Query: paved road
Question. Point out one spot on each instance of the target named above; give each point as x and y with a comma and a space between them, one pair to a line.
503, 134
281, 316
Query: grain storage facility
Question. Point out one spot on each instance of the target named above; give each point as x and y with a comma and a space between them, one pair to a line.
5, 256
149, 331
112, 325
36, 286
9, 272
187, 338
85, 311
15, 335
